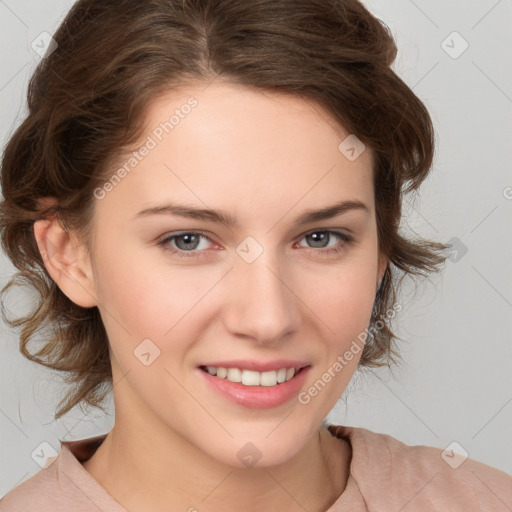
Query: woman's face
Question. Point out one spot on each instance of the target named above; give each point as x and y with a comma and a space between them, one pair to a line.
269, 291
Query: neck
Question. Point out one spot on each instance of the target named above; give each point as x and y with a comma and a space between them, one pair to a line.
151, 475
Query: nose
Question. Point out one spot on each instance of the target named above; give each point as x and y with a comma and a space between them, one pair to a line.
261, 301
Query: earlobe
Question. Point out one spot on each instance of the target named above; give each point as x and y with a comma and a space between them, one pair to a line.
66, 261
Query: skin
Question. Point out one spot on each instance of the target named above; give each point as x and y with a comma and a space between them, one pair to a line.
264, 158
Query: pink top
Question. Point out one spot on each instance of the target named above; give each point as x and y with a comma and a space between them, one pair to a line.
385, 475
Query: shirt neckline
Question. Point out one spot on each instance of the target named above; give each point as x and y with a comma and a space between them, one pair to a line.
74, 453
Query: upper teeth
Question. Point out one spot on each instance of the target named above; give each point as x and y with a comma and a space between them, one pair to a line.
252, 378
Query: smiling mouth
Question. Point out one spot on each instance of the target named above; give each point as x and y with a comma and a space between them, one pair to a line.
253, 378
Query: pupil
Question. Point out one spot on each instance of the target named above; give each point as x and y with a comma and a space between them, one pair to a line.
189, 239
318, 236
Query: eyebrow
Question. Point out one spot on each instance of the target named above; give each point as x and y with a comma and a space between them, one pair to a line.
222, 217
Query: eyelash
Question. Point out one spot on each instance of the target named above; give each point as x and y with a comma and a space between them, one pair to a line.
165, 243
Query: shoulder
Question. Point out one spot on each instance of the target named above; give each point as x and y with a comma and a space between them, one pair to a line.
63, 485
423, 477
35, 493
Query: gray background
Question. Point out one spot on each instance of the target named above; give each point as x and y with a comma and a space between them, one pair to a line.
456, 380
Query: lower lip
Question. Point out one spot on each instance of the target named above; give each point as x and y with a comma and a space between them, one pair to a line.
257, 397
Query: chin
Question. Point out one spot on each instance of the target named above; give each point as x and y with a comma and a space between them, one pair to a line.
259, 448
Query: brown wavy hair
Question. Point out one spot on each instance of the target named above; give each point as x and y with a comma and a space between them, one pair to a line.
86, 104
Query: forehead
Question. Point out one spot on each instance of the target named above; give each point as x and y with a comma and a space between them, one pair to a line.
237, 148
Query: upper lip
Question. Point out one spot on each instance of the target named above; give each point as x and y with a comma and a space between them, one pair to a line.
259, 366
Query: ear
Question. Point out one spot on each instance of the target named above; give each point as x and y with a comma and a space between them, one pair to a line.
383, 263
67, 261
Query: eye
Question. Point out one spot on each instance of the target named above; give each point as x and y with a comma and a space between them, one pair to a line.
187, 244
320, 237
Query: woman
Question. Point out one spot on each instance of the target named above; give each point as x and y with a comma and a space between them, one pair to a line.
207, 195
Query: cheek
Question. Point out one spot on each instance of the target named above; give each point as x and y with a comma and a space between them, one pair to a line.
144, 296
140, 300
342, 297
342, 312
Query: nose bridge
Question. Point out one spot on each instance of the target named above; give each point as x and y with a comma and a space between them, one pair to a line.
262, 305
